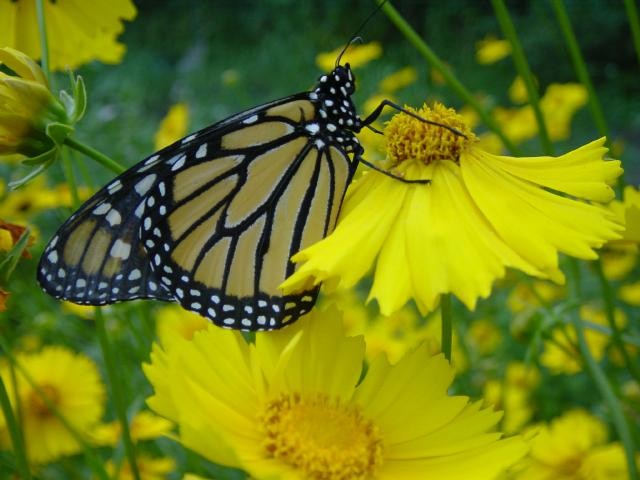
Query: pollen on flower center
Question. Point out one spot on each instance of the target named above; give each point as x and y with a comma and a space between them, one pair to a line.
38, 406
408, 138
322, 437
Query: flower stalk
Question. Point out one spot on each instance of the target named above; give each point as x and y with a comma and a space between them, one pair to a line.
44, 44
609, 310
15, 433
581, 69
524, 71
91, 152
115, 382
599, 378
446, 312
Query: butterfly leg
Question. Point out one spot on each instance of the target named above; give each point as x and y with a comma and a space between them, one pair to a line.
373, 116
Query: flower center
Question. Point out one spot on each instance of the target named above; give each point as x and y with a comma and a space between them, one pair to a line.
321, 437
411, 139
38, 405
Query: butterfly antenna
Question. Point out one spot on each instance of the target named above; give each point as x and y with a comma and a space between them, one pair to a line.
355, 36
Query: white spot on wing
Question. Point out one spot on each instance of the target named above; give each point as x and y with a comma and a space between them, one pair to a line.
121, 249
102, 209
202, 151
179, 163
53, 256
145, 184
113, 217
135, 274
251, 119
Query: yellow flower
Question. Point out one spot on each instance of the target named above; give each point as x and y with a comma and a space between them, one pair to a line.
175, 322
528, 296
395, 335
630, 294
78, 32
490, 50
72, 384
296, 405
397, 80
173, 126
149, 468
480, 214
573, 447
356, 55
143, 426
560, 354
485, 336
25, 105
35, 197
559, 104
10, 234
629, 211
518, 91
513, 395
620, 260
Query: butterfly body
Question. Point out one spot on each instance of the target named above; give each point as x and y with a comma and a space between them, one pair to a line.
211, 221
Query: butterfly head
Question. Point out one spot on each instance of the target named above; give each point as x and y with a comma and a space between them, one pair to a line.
339, 82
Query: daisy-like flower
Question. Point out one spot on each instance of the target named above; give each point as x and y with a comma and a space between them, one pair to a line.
573, 447
479, 214
629, 210
173, 126
513, 394
561, 356
78, 32
72, 384
393, 335
144, 426
296, 405
149, 468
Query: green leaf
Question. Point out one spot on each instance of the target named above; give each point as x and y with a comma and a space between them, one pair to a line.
58, 132
69, 103
42, 158
34, 173
80, 97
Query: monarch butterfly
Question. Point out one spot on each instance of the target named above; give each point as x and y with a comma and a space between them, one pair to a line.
212, 220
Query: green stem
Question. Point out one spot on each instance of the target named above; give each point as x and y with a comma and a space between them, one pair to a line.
15, 433
446, 313
634, 23
93, 461
509, 31
581, 68
115, 381
609, 309
44, 45
599, 378
70, 177
451, 80
95, 154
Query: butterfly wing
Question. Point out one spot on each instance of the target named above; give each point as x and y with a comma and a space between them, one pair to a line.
209, 222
